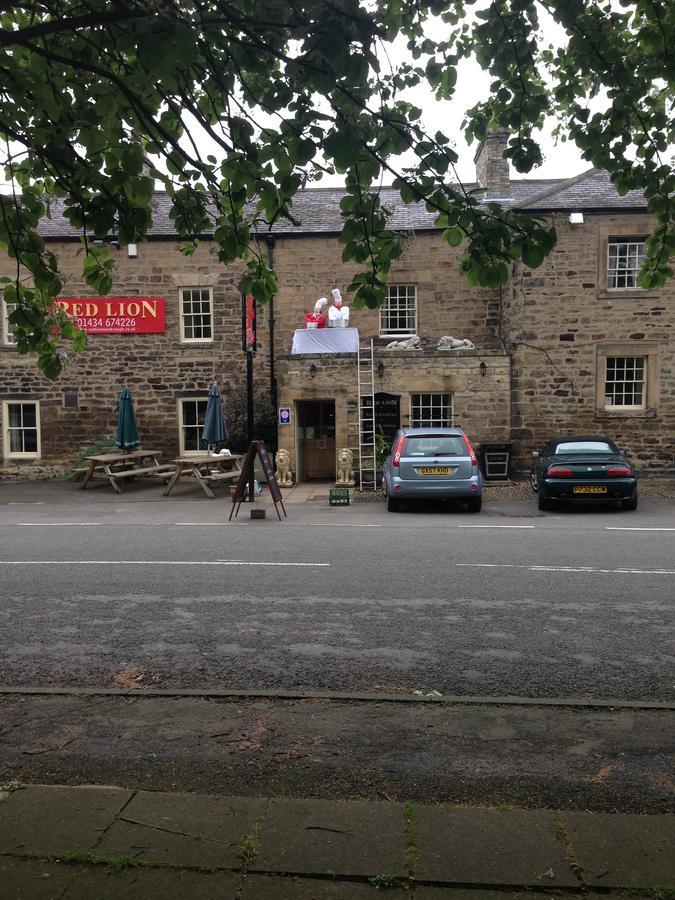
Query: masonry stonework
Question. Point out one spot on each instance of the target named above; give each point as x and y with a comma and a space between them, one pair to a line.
543, 339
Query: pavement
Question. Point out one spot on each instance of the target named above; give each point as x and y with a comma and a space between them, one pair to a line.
81, 843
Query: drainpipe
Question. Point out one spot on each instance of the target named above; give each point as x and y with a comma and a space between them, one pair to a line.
269, 240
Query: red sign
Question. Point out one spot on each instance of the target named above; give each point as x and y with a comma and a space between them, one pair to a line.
116, 315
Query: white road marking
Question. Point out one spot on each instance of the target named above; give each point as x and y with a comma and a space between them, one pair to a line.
154, 562
494, 526
590, 569
48, 524
628, 528
342, 525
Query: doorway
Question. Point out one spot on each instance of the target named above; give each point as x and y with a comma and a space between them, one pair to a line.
316, 439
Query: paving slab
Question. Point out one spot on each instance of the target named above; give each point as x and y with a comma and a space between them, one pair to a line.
50, 820
341, 837
491, 847
275, 887
33, 879
99, 883
621, 850
183, 829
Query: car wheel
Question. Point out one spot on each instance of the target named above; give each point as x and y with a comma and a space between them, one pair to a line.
534, 481
542, 502
631, 503
474, 504
392, 504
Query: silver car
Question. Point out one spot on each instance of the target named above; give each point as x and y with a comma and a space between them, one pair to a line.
432, 463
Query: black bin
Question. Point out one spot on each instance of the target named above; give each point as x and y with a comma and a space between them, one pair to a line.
496, 461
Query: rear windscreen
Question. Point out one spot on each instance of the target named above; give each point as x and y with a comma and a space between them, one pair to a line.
583, 447
431, 445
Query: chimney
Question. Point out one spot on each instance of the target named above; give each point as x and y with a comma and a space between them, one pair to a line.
492, 170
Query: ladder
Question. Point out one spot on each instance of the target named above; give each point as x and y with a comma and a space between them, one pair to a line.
365, 374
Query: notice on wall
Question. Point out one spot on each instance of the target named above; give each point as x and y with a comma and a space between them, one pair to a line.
116, 315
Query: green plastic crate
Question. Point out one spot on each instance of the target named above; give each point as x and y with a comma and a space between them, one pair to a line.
338, 497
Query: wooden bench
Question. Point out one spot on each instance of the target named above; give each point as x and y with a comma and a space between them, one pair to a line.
221, 476
164, 471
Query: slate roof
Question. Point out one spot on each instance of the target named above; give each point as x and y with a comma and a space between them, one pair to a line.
317, 210
590, 190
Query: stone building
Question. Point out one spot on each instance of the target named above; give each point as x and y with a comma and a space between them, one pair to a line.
571, 347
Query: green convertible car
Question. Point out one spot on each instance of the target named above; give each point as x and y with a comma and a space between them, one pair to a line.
583, 468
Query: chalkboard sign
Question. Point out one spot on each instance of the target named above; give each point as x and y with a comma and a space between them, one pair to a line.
257, 448
388, 414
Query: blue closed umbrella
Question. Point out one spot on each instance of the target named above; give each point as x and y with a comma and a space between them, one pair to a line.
126, 436
215, 429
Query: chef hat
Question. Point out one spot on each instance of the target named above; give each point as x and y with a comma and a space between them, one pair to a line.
337, 296
320, 303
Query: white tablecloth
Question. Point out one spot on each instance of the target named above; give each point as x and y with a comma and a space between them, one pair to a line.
326, 340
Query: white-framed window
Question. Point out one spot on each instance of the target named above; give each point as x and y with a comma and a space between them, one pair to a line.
625, 382
21, 420
431, 410
196, 314
625, 257
7, 329
398, 313
191, 412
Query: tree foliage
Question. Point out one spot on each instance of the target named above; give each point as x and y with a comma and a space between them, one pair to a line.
102, 99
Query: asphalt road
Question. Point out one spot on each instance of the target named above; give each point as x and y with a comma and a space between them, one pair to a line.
99, 589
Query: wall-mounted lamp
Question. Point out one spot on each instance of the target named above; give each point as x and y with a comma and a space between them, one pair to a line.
132, 251
483, 369
576, 218
312, 371
380, 369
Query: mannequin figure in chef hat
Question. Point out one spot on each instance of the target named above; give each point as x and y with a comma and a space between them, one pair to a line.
338, 315
317, 319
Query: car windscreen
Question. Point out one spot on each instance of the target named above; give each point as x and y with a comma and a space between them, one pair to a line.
584, 447
434, 445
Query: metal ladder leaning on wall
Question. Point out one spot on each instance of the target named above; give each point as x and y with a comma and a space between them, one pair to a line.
365, 374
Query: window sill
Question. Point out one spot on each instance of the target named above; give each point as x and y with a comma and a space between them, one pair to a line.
396, 337
606, 414
627, 294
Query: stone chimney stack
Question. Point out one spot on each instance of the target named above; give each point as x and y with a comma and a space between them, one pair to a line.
492, 170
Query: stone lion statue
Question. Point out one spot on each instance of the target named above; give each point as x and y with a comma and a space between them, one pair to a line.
283, 474
345, 462
448, 342
413, 343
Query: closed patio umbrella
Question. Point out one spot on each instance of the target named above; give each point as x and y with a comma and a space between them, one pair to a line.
215, 429
126, 436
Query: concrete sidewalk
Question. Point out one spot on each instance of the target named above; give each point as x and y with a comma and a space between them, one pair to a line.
108, 843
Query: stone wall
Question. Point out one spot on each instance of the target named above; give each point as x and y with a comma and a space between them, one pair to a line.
481, 402
78, 409
560, 321
555, 322
309, 267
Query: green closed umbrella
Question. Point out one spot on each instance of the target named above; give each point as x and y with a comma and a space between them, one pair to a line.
215, 429
126, 436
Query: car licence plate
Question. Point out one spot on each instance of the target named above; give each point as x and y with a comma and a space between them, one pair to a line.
435, 470
589, 489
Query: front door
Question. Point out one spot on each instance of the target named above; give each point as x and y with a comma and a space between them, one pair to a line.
316, 433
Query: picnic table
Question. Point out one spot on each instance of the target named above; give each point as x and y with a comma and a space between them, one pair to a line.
205, 469
118, 466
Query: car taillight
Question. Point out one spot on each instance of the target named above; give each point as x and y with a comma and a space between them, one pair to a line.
474, 461
559, 472
398, 449
619, 471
